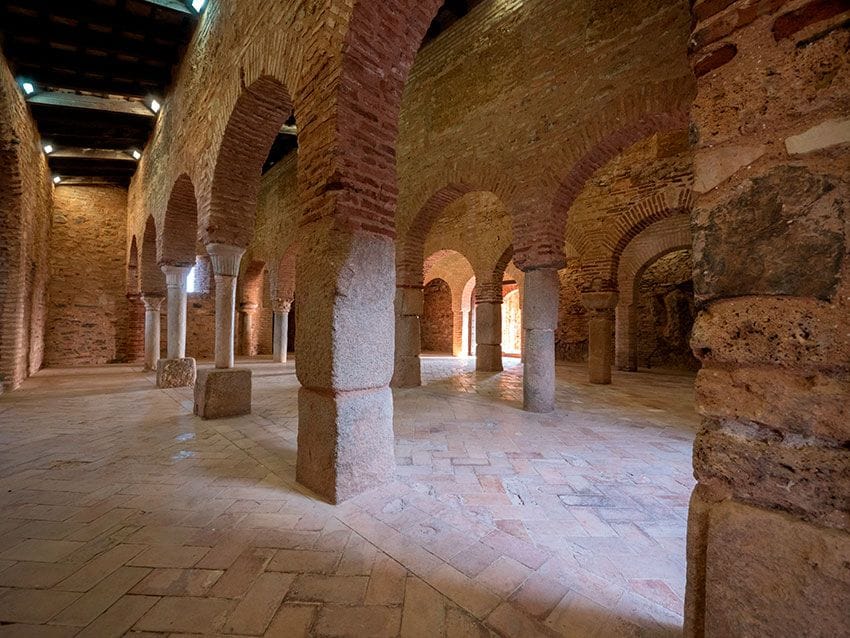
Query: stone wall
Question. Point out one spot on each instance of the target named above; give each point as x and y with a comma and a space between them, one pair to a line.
437, 318
88, 312
25, 205
769, 527
571, 334
666, 313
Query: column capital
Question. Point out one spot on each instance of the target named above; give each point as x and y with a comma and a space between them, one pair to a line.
600, 301
152, 301
248, 307
225, 259
281, 305
175, 276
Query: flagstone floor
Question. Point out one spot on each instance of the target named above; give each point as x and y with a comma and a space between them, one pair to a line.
122, 514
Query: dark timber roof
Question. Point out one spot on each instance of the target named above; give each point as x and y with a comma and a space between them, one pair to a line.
93, 63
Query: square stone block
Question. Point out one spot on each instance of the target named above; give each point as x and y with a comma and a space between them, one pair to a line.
223, 392
175, 373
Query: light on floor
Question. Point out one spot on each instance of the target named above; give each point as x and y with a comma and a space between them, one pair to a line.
56, 179
48, 149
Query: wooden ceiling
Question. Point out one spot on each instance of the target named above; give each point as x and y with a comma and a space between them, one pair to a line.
94, 63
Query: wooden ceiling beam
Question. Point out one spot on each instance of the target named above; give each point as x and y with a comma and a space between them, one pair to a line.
91, 103
173, 5
65, 152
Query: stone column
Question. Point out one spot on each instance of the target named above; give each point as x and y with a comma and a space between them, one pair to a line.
625, 347
600, 327
225, 262
409, 302
175, 280
247, 313
281, 331
345, 317
152, 303
225, 390
539, 321
769, 523
177, 370
488, 327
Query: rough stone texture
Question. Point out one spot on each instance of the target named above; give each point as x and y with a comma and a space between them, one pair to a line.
788, 566
823, 135
175, 373
87, 316
347, 446
540, 319
665, 313
571, 334
25, 204
789, 212
222, 392
437, 320
772, 281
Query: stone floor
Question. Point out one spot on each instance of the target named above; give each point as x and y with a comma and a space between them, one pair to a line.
121, 513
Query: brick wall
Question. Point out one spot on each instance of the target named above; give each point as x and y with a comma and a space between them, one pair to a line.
88, 312
437, 319
666, 313
25, 202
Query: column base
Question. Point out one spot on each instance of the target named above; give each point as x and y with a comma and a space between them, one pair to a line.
345, 441
488, 358
407, 373
175, 373
222, 392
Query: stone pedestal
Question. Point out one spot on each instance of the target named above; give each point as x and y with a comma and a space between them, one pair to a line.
152, 329
175, 280
409, 302
222, 392
540, 319
175, 373
600, 324
488, 334
281, 331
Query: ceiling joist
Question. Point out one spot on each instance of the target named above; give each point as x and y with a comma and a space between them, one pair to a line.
91, 102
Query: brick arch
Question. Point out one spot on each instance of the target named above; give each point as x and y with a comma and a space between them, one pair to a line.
600, 255
411, 247
355, 179
542, 242
283, 279
646, 247
453, 267
261, 109
489, 286
153, 280
178, 246
133, 268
